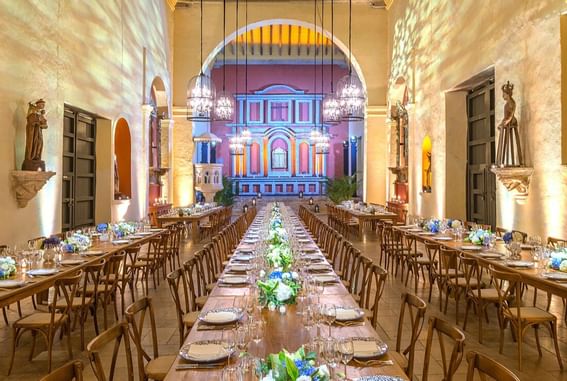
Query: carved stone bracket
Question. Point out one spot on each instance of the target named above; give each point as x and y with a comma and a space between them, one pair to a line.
26, 184
401, 174
515, 179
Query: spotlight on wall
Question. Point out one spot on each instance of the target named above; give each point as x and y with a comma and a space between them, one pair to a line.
310, 200
301, 194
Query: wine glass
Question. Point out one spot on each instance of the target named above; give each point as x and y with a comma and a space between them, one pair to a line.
231, 374
346, 351
242, 337
229, 343
329, 315
330, 353
257, 330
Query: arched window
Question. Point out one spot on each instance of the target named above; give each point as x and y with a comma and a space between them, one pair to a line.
303, 158
207, 178
279, 154
255, 159
426, 177
216, 178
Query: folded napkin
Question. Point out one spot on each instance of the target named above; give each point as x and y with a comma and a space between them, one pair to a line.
204, 352
220, 316
365, 348
346, 314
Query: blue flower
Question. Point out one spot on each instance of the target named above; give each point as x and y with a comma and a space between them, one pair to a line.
69, 248
101, 228
556, 262
508, 237
276, 275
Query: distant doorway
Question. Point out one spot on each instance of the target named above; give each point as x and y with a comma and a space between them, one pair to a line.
481, 182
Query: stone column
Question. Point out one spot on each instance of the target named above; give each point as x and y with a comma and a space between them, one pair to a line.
375, 151
143, 166
166, 156
182, 159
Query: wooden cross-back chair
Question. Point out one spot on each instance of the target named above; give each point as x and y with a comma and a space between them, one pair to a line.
415, 308
486, 366
444, 332
72, 371
116, 334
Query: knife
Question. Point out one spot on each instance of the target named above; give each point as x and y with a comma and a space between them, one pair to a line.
199, 366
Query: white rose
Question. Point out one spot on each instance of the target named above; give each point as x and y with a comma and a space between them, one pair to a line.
271, 306
324, 371
303, 378
262, 273
268, 377
282, 309
456, 224
294, 275
283, 292
286, 276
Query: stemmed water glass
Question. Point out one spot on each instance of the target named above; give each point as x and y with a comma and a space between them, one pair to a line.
231, 374
346, 351
229, 343
329, 314
330, 352
242, 337
257, 330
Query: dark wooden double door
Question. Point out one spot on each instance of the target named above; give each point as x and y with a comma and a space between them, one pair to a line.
79, 169
481, 182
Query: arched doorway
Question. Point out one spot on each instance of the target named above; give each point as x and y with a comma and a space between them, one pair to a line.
157, 169
122, 161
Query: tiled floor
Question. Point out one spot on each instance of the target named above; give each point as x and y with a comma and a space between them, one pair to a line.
535, 367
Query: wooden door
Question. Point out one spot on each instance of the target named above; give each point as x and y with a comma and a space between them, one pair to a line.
481, 182
79, 169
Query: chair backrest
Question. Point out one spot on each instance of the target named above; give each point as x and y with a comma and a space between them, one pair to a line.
432, 253
115, 334
65, 290
373, 290
91, 277
178, 290
556, 242
448, 260
445, 332
415, 308
72, 371
509, 288
136, 315
111, 272
194, 283
485, 366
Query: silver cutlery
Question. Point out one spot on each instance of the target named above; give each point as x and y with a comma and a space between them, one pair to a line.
199, 366
374, 362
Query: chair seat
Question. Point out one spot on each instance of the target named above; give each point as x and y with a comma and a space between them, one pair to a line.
77, 302
157, 368
452, 273
39, 319
462, 282
201, 300
490, 294
531, 314
424, 261
210, 286
190, 318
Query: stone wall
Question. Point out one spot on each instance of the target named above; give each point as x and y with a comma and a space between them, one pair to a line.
100, 56
437, 45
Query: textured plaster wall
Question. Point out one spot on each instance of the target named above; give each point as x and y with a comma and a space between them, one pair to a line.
369, 37
87, 54
436, 45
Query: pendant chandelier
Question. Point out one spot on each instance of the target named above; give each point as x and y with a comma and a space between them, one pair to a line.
224, 103
200, 91
323, 140
350, 92
245, 134
235, 143
332, 113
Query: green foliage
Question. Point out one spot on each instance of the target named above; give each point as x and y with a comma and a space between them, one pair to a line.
225, 196
341, 189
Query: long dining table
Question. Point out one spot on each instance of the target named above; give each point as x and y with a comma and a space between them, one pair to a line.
532, 275
365, 218
283, 331
35, 284
193, 219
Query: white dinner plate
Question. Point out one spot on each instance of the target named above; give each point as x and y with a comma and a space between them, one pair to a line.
348, 313
155, 230
526, 246
426, 233
120, 242
72, 262
92, 252
250, 241
322, 267
524, 264
221, 316
239, 268
234, 279
415, 230
11, 283
325, 278
368, 347
471, 247
144, 233
204, 351
443, 238
490, 255
407, 227
552, 276
42, 272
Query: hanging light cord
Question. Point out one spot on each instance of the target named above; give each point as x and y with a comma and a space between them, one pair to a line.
236, 67
350, 37
322, 57
201, 69
224, 45
246, 59
332, 44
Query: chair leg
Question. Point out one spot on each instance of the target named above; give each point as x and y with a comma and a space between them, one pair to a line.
553, 331
15, 336
536, 331
32, 350
69, 344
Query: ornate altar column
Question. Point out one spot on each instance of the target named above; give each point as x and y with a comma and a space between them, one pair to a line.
182, 158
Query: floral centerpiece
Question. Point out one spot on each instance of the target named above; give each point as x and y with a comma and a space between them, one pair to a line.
51, 242
279, 289
558, 260
7, 267
279, 256
102, 228
479, 237
433, 225
297, 366
454, 224
77, 242
123, 229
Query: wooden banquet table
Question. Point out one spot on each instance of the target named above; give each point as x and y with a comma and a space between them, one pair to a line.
194, 219
282, 331
364, 218
36, 284
530, 275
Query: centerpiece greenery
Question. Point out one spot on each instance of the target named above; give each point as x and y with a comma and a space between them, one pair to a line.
279, 289
341, 189
558, 260
225, 196
77, 242
7, 267
296, 366
479, 237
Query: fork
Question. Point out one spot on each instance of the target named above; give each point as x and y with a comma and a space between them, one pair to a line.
374, 362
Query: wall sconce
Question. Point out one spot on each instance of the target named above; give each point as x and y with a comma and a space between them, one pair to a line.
245, 209
254, 201
310, 200
317, 208
259, 195
301, 194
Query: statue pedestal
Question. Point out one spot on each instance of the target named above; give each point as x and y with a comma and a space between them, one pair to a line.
515, 179
26, 184
33, 165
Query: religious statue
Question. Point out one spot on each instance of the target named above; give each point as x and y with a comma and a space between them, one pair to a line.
509, 153
36, 122
117, 195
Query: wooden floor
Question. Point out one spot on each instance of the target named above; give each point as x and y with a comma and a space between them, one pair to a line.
535, 367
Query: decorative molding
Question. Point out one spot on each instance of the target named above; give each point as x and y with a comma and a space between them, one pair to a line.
26, 184
172, 4
388, 3
376, 111
515, 179
401, 174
